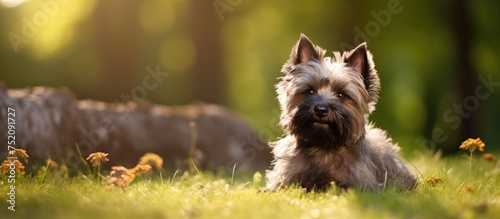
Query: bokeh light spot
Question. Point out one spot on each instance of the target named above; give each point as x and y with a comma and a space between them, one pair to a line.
178, 53
410, 112
11, 3
156, 16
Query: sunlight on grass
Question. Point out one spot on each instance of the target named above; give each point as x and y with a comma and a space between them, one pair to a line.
446, 190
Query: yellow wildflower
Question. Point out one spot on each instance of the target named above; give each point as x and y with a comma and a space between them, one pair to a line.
140, 169
20, 154
434, 180
152, 159
468, 188
121, 177
192, 125
489, 157
52, 163
473, 144
97, 158
8, 165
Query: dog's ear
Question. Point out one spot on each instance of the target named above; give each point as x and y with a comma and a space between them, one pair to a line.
361, 59
303, 51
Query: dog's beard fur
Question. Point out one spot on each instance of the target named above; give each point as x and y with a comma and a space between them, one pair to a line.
322, 132
325, 104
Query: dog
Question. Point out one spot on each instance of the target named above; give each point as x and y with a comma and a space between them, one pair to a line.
325, 104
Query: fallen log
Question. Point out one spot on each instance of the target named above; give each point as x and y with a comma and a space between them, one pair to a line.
49, 122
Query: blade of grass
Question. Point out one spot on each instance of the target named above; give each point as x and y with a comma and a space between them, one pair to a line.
173, 177
44, 173
232, 175
83, 159
197, 171
161, 177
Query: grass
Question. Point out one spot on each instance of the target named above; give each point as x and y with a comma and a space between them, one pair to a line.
197, 194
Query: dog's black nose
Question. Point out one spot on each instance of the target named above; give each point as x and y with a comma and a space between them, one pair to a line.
320, 110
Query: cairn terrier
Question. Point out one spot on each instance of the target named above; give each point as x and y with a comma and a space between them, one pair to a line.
325, 103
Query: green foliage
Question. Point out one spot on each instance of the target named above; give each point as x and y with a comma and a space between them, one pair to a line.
205, 195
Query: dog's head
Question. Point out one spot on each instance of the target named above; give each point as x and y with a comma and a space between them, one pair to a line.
327, 99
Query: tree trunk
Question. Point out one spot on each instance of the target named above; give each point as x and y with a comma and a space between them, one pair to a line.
49, 122
209, 78
117, 39
461, 29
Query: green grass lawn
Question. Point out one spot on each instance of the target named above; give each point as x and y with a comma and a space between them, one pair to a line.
464, 191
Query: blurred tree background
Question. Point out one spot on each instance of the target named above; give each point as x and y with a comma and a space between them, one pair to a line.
436, 59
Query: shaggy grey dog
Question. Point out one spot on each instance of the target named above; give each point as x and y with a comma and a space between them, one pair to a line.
325, 104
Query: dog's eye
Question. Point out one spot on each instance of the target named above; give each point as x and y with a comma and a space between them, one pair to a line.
341, 95
310, 91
